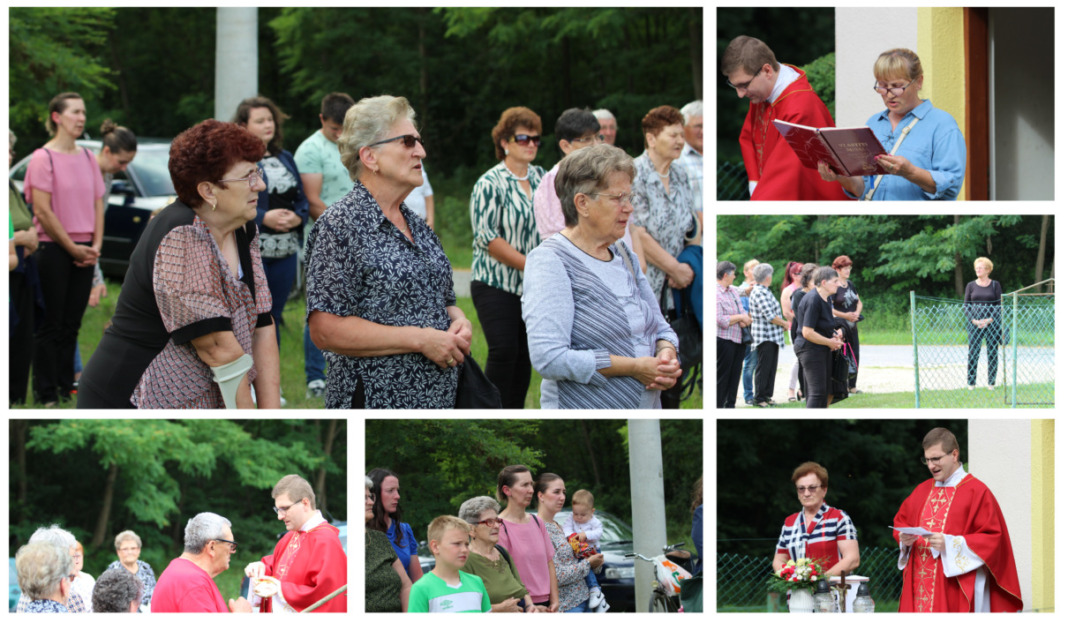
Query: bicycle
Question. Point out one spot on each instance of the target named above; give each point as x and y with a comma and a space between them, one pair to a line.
671, 567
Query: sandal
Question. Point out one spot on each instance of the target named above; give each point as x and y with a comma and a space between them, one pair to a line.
792, 399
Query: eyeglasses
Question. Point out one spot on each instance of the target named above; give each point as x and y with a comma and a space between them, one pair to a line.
599, 138
130, 549
409, 141
621, 198
745, 85
892, 90
233, 545
252, 179
810, 488
526, 139
489, 523
77, 556
936, 459
283, 509
370, 497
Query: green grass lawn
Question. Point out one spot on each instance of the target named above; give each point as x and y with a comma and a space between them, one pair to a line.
979, 398
292, 351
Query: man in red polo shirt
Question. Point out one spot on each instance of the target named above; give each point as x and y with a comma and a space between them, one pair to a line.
308, 564
186, 585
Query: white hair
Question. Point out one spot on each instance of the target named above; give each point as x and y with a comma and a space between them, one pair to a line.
762, 272
203, 528
367, 122
472, 509
55, 535
691, 110
40, 567
603, 113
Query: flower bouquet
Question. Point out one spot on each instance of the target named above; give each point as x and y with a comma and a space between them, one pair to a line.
799, 578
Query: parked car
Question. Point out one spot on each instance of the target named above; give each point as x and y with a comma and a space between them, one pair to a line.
616, 576
13, 589
142, 189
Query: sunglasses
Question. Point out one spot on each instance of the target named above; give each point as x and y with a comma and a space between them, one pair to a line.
526, 139
409, 141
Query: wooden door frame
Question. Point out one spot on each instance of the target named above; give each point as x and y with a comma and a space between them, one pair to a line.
977, 103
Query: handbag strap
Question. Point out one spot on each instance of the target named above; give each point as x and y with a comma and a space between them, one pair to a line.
900, 139
623, 252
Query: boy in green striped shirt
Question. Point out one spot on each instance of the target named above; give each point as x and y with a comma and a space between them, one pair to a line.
446, 588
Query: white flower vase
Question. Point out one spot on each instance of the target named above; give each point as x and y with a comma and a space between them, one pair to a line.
801, 602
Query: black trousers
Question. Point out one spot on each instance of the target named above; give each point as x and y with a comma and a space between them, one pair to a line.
508, 365
764, 376
20, 347
816, 366
729, 357
976, 337
66, 290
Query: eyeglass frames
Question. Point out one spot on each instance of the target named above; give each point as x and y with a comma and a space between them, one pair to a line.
252, 179
409, 141
526, 139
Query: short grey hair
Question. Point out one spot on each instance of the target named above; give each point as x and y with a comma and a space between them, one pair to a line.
586, 171
691, 110
823, 273
472, 509
127, 535
203, 528
603, 113
368, 483
114, 590
55, 535
40, 567
367, 122
762, 271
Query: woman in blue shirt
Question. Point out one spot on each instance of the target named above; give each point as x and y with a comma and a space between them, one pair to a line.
387, 514
929, 163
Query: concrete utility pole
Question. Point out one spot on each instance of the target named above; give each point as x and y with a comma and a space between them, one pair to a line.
647, 503
236, 58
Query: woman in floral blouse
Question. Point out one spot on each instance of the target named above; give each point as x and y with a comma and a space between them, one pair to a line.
570, 571
502, 216
381, 303
128, 549
43, 570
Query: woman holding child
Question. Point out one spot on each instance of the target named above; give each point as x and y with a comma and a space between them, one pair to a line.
525, 537
490, 561
571, 572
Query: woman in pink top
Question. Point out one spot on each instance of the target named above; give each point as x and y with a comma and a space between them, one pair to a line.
525, 536
66, 188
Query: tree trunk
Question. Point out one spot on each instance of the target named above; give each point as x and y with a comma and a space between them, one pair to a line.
695, 52
1040, 263
320, 477
18, 432
105, 509
590, 453
958, 266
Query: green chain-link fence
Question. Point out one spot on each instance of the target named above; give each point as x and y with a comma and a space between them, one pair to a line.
732, 182
953, 366
741, 581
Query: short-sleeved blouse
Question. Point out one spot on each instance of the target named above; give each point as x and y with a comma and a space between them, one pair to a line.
360, 264
382, 584
145, 575
75, 183
500, 208
408, 546
531, 550
179, 287
570, 571
665, 217
813, 312
819, 539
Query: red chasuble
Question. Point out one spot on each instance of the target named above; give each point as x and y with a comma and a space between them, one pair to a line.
770, 161
310, 566
967, 510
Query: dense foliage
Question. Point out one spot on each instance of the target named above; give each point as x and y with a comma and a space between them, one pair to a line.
442, 463
99, 477
892, 255
873, 465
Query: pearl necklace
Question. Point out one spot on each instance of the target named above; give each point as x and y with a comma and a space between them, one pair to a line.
516, 177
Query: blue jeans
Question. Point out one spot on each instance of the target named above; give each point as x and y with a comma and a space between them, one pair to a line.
748, 365
280, 272
314, 362
582, 607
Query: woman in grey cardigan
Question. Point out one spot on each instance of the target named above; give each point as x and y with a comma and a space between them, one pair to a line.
594, 327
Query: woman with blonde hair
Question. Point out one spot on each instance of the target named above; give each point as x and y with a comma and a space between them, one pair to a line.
925, 147
982, 309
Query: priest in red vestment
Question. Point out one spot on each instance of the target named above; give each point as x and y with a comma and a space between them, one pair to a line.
966, 564
308, 563
776, 91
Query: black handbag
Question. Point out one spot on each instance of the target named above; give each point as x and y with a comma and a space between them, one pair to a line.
475, 390
691, 343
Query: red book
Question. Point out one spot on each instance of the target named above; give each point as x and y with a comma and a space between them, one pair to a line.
849, 151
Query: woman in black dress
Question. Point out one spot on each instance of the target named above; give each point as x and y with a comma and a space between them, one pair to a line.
847, 306
982, 308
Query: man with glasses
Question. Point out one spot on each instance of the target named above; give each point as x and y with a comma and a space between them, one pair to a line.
775, 91
965, 562
308, 564
186, 585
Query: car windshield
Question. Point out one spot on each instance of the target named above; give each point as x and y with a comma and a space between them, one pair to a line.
150, 168
615, 530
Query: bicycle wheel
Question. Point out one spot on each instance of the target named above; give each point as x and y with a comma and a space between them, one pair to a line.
659, 602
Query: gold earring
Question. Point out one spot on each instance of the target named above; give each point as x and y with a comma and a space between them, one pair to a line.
212, 206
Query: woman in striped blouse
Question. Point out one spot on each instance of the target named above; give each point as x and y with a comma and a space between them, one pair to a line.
502, 216
596, 333
819, 531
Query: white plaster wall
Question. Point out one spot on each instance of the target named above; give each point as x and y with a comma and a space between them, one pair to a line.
860, 36
999, 454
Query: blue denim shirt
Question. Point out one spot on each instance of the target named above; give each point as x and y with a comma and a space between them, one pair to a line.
935, 144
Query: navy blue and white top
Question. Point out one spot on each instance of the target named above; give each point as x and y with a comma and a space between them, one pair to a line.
45, 606
145, 574
580, 310
360, 264
818, 540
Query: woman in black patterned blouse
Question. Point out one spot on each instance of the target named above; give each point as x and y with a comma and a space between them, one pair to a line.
381, 303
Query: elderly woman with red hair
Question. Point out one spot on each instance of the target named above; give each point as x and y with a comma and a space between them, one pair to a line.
192, 327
